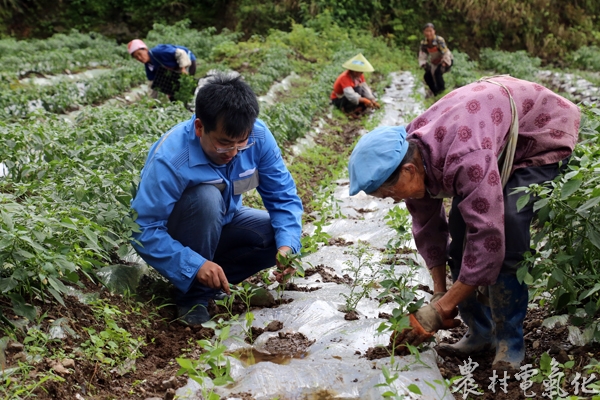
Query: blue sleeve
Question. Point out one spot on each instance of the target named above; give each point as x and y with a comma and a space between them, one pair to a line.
149, 74
164, 55
160, 188
278, 192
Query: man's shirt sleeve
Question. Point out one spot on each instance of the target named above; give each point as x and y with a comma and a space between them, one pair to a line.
278, 192
160, 188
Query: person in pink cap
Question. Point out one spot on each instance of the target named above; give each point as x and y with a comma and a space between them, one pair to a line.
159, 60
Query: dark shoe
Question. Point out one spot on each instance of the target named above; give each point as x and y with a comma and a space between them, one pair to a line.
196, 315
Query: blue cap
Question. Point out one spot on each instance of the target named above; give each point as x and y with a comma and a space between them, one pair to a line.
376, 155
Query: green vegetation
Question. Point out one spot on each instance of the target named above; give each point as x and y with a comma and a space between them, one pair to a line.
68, 184
586, 57
568, 240
548, 29
517, 64
364, 275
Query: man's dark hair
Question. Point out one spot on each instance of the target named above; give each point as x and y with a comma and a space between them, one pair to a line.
409, 157
428, 25
229, 99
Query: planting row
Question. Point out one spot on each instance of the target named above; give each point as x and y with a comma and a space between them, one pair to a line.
73, 52
68, 94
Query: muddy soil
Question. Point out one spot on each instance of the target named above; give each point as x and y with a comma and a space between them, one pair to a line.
288, 344
328, 275
538, 340
153, 374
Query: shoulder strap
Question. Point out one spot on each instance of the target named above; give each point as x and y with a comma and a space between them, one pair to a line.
508, 152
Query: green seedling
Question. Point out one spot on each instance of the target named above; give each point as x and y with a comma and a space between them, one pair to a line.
212, 368
364, 275
114, 347
245, 292
400, 288
286, 261
398, 219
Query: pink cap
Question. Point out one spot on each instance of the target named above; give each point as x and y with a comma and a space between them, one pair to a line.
134, 45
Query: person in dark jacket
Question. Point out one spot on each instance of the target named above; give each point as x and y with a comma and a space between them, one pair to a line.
159, 60
435, 58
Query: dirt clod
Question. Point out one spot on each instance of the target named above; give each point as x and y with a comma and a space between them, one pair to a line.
274, 326
351, 316
288, 343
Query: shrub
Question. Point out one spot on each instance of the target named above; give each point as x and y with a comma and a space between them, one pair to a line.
586, 57
518, 64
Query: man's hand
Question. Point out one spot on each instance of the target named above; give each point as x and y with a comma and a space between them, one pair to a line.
283, 272
366, 102
375, 104
425, 322
184, 71
212, 275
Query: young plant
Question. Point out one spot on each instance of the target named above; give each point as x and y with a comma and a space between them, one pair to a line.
288, 261
113, 346
401, 289
364, 275
212, 368
245, 292
398, 219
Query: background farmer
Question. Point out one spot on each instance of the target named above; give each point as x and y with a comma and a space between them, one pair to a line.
193, 227
458, 148
167, 56
434, 58
350, 92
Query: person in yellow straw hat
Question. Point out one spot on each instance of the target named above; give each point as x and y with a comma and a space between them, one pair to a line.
350, 92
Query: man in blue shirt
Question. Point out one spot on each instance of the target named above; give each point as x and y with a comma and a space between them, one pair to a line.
193, 227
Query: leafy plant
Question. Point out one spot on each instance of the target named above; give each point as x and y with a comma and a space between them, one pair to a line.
398, 219
185, 93
518, 64
364, 275
400, 288
112, 346
586, 57
212, 368
288, 261
567, 236
245, 291
463, 71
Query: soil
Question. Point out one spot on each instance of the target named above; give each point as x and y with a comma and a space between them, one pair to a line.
328, 275
351, 316
538, 340
288, 344
154, 372
291, 286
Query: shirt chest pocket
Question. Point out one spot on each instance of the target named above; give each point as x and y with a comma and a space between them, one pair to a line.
245, 183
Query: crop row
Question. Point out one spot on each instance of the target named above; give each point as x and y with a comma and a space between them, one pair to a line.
73, 52
19, 101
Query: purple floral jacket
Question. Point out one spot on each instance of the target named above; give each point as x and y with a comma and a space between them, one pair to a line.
460, 138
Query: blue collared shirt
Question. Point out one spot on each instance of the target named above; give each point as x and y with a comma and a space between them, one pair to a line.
176, 162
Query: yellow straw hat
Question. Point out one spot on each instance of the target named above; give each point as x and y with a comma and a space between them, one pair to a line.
358, 63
